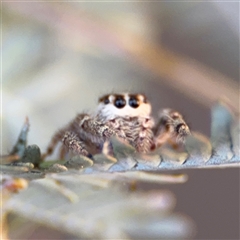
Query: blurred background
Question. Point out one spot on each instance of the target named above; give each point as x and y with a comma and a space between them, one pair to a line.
58, 58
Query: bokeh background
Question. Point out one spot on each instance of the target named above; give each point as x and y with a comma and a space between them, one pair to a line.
59, 57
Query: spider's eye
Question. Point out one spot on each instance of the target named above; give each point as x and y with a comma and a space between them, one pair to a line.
119, 102
106, 101
133, 102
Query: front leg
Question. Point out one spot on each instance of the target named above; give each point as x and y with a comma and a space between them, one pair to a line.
74, 144
53, 143
171, 128
95, 131
83, 130
143, 138
95, 128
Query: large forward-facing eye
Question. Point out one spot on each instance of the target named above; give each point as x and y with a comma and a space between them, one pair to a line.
104, 99
133, 102
119, 102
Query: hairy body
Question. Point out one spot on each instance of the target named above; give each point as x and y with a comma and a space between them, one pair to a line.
126, 116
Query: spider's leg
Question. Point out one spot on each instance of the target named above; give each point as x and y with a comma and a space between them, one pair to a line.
143, 135
107, 148
171, 128
62, 152
162, 138
57, 137
98, 131
74, 144
95, 128
144, 142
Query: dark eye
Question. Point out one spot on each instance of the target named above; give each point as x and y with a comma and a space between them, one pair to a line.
106, 101
133, 102
119, 102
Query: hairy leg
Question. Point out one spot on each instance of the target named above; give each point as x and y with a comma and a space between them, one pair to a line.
91, 128
62, 152
57, 137
85, 129
171, 128
142, 134
74, 144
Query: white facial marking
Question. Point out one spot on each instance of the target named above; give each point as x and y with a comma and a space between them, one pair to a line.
139, 108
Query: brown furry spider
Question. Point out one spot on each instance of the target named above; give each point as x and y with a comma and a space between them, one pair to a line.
126, 116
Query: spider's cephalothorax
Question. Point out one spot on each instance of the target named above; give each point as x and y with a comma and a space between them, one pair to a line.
126, 116
123, 105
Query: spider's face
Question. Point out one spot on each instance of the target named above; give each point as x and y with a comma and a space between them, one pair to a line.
123, 105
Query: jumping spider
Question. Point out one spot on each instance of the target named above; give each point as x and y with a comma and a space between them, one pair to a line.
126, 116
